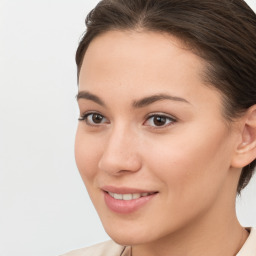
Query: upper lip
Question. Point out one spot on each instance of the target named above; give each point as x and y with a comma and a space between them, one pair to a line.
125, 190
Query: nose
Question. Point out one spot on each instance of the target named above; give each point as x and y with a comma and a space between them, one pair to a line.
120, 153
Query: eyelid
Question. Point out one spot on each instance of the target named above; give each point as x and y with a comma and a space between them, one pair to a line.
161, 114
169, 117
85, 115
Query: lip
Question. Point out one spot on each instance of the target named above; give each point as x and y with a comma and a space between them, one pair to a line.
129, 206
126, 190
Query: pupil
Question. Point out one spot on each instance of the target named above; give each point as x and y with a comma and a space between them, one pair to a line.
97, 118
159, 120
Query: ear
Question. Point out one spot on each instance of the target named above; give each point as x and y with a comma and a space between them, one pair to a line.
245, 151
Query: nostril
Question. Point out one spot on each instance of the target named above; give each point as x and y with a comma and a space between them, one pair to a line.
119, 154
118, 164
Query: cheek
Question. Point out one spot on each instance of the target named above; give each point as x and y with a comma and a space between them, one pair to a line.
191, 164
87, 154
190, 173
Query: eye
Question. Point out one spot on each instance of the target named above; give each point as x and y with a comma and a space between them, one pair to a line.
93, 119
159, 120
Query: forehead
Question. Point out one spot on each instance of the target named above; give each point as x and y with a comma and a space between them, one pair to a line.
139, 41
130, 63
141, 51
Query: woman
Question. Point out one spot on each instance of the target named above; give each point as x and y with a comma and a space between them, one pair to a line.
167, 131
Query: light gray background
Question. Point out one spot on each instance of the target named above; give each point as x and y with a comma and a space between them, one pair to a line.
44, 207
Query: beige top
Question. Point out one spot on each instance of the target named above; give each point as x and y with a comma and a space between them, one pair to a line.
110, 248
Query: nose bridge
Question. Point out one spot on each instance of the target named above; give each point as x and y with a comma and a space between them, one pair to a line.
120, 151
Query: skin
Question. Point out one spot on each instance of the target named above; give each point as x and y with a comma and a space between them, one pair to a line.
190, 160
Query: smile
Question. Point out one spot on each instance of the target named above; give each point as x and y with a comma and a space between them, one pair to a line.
126, 200
128, 197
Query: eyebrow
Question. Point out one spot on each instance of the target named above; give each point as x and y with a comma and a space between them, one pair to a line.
89, 96
137, 103
158, 97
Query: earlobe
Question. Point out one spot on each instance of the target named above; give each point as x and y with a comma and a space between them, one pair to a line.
246, 149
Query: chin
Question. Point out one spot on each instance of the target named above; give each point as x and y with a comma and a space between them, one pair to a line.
127, 239
129, 236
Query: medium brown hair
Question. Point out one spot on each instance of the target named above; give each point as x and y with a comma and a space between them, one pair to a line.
221, 32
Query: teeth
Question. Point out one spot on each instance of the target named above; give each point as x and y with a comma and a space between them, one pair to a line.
128, 197
118, 196
112, 194
135, 196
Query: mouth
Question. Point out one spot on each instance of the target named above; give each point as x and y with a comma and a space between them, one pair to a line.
128, 197
127, 200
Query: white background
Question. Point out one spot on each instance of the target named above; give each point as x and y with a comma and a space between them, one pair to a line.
44, 207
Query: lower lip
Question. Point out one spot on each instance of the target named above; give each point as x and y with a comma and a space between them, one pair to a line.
126, 206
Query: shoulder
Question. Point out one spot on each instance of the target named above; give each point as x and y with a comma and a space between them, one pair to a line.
249, 248
108, 248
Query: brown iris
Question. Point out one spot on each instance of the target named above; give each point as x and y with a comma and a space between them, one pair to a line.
159, 120
97, 119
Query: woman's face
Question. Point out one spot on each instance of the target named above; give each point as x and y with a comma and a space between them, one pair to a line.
152, 146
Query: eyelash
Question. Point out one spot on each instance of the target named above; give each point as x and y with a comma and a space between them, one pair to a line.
164, 117
171, 120
86, 116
